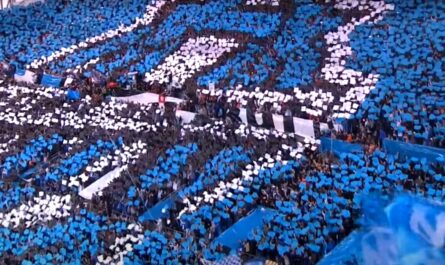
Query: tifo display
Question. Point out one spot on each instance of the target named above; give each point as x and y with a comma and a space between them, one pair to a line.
222, 132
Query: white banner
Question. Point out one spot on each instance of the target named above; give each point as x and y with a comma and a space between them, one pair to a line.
304, 127
28, 77
278, 122
101, 183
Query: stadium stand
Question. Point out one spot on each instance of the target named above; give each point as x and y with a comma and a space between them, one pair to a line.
222, 132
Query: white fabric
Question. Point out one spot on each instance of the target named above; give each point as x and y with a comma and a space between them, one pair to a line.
4, 3
259, 118
227, 189
68, 82
243, 115
126, 155
186, 116
147, 98
324, 127
304, 127
29, 77
4, 147
318, 98
101, 183
263, 2
278, 122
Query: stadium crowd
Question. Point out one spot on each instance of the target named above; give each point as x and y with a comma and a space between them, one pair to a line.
88, 179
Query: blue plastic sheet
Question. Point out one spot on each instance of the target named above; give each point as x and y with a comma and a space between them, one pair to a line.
337, 147
239, 232
408, 230
160, 210
413, 150
51, 81
20, 72
347, 250
73, 95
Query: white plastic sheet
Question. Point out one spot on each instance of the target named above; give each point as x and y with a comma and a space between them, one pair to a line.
101, 183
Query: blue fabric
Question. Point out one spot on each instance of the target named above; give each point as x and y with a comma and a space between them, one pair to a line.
238, 66
156, 212
337, 147
299, 59
77, 231
411, 232
292, 46
431, 154
51, 81
73, 95
20, 72
237, 233
347, 251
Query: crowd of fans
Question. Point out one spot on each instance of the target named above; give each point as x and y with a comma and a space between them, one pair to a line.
90, 179
44, 165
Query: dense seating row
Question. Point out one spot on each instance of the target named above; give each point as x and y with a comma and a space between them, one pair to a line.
45, 206
141, 46
90, 56
76, 22
311, 214
237, 70
33, 152
75, 157
409, 94
92, 180
301, 35
176, 158
321, 219
294, 47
